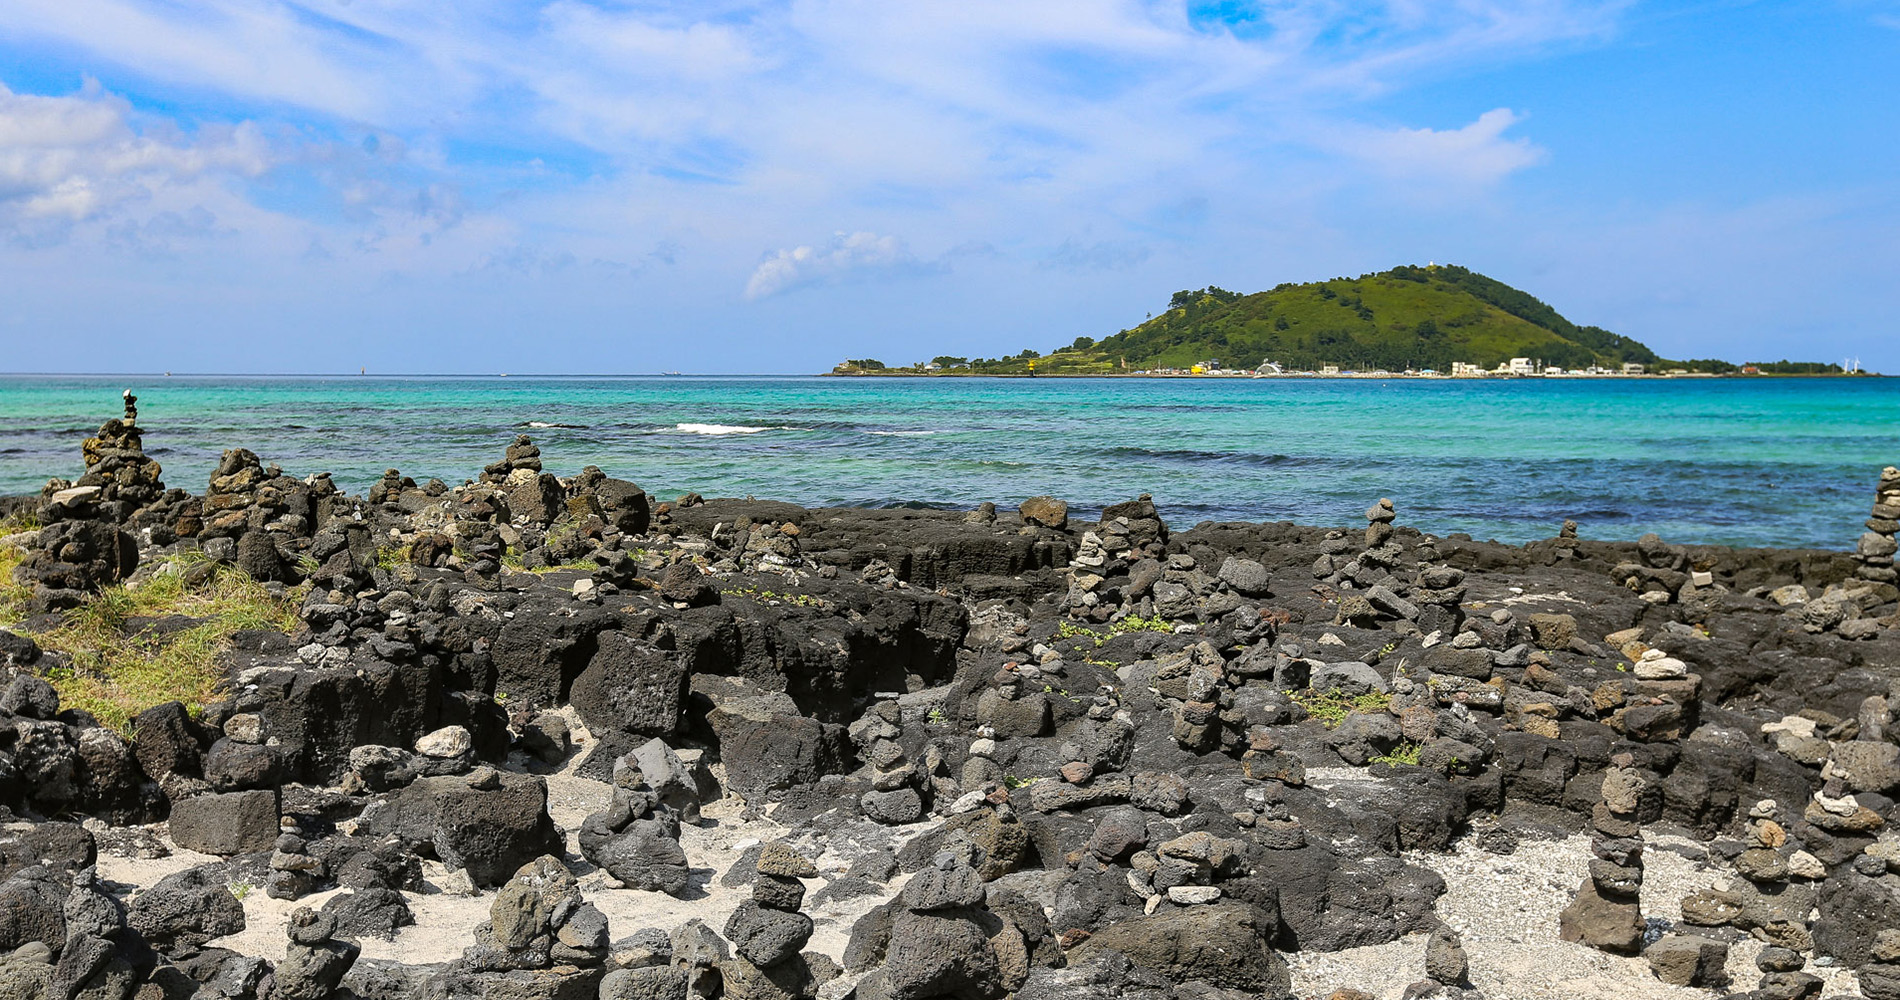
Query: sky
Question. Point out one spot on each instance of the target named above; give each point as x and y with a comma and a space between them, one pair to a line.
411, 186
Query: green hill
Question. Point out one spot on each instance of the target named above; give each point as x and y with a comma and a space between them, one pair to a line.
1405, 318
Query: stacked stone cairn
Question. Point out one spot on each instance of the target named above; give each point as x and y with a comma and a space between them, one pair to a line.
314, 961
1660, 699
1440, 597
1606, 913
943, 940
522, 455
899, 787
81, 550
768, 930
1877, 544
1014, 705
1378, 557
1119, 561
1194, 681
542, 938
294, 873
115, 462
1662, 573
636, 839
1447, 969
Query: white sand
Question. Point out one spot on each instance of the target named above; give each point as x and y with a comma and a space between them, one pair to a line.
445, 922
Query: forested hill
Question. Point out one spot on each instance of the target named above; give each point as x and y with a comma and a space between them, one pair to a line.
1408, 317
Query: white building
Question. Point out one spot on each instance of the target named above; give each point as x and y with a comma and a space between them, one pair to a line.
1465, 369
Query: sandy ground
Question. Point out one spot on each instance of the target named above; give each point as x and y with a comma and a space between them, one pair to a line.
444, 921
1506, 908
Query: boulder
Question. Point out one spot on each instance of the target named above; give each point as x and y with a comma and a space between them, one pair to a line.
1046, 511
226, 823
1688, 960
631, 687
1222, 944
186, 909
765, 747
487, 822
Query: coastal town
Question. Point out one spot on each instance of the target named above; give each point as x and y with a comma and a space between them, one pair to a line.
1214, 368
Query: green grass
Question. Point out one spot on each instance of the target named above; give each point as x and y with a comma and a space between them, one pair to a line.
1332, 706
1404, 753
115, 676
1124, 626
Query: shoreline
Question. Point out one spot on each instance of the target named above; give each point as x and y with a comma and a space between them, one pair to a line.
548, 735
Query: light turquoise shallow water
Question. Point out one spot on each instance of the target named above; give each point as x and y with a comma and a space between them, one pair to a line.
1755, 462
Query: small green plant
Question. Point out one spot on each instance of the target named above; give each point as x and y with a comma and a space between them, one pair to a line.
1404, 753
1331, 707
391, 556
760, 594
934, 716
1012, 782
1136, 623
240, 890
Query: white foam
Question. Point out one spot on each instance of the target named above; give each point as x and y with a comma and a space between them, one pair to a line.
721, 429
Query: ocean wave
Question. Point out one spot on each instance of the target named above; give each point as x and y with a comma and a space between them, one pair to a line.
540, 424
901, 434
722, 429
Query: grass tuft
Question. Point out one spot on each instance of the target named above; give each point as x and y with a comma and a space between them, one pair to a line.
1404, 753
113, 675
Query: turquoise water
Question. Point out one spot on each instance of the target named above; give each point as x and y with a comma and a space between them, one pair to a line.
1756, 462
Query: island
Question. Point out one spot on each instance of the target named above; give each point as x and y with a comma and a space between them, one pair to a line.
1435, 321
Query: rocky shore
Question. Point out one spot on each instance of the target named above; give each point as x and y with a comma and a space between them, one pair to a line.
545, 736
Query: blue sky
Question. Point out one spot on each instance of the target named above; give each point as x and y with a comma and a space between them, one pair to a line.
485, 186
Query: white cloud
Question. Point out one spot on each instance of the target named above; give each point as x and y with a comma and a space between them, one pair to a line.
69, 159
848, 256
1478, 153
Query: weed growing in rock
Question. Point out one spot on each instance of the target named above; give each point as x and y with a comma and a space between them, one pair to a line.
771, 596
1136, 623
1332, 706
1404, 753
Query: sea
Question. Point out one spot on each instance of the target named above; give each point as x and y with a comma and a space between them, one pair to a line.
1767, 461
